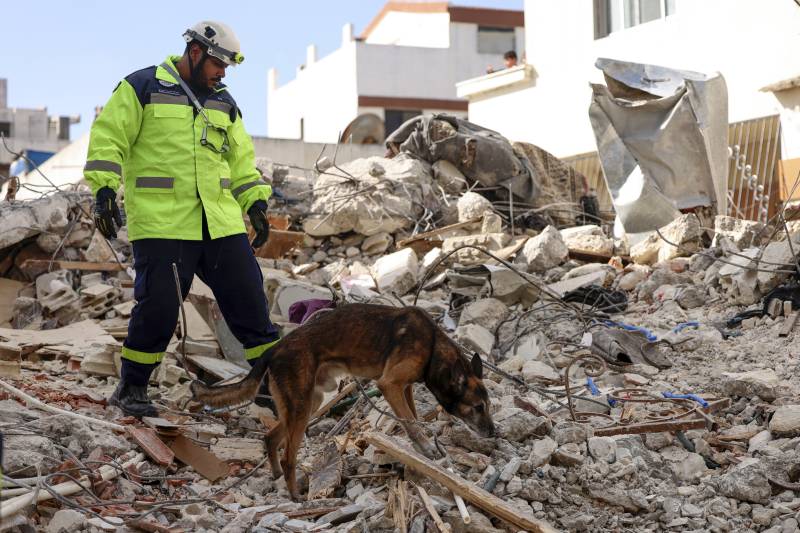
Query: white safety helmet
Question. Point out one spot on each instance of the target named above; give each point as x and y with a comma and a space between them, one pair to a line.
222, 43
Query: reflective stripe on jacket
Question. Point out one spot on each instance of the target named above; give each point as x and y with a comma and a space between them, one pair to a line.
148, 136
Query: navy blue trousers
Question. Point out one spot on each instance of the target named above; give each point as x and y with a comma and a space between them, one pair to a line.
227, 265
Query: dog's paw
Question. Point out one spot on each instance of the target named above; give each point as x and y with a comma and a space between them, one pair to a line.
427, 449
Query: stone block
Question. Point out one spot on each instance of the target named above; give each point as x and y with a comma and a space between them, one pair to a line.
488, 313
786, 421
396, 272
543, 251
472, 205
475, 337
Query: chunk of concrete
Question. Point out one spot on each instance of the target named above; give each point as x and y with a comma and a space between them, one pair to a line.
472, 205
542, 451
539, 371
492, 223
588, 239
488, 313
517, 425
762, 383
376, 244
742, 233
21, 220
544, 251
475, 337
370, 196
684, 233
786, 421
745, 482
603, 449
99, 251
397, 272
447, 175
776, 252
66, 521
491, 242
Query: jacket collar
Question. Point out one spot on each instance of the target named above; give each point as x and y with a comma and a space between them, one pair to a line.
162, 74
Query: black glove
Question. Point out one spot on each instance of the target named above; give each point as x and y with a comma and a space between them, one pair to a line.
106, 213
258, 218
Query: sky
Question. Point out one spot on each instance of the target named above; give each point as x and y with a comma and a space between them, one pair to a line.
68, 55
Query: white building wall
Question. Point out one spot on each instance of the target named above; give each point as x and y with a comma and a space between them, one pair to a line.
404, 71
745, 40
412, 29
324, 95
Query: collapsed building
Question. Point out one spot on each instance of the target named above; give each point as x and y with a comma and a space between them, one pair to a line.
636, 383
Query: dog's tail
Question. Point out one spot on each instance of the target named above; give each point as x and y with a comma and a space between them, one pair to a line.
233, 393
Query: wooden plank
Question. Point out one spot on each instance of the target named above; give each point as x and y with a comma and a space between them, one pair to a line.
457, 485
651, 427
789, 324
44, 264
422, 242
204, 462
428, 503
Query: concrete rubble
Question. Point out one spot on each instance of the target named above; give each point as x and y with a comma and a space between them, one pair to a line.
582, 445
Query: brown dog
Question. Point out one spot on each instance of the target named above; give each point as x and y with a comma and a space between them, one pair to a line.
395, 346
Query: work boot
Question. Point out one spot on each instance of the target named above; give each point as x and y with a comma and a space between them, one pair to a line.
133, 400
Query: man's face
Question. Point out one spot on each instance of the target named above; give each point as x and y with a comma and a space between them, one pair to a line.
213, 69
510, 62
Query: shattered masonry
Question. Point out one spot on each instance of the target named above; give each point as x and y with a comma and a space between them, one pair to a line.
627, 324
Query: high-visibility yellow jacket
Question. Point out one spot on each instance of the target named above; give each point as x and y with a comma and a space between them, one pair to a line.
148, 135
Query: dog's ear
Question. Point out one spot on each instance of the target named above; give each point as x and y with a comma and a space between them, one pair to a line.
477, 365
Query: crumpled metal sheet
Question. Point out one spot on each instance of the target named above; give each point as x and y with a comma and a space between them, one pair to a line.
662, 139
480, 154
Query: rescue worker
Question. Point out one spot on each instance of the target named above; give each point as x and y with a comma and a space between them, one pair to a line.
173, 135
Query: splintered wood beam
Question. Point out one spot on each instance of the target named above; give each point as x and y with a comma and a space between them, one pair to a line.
457, 485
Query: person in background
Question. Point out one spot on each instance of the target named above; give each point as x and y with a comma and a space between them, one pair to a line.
509, 60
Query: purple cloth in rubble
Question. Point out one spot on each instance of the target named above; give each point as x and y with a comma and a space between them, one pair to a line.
300, 311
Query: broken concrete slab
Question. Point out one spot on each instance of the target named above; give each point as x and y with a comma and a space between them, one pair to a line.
762, 383
236, 449
486, 312
786, 421
397, 272
21, 220
371, 196
544, 251
475, 337
491, 242
742, 233
684, 233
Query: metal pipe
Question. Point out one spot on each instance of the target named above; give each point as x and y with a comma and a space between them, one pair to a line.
773, 159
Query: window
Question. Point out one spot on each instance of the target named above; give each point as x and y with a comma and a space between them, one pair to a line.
495, 40
615, 15
394, 118
5, 129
